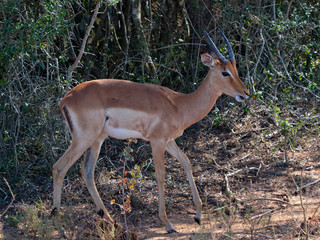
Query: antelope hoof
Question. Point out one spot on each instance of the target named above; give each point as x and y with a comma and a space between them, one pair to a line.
55, 212
100, 213
172, 230
197, 220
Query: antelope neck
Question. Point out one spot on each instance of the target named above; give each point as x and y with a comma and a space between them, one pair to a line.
198, 104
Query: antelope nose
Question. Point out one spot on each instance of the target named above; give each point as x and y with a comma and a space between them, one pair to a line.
240, 98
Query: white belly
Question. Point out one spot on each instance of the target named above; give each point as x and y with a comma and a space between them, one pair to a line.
124, 123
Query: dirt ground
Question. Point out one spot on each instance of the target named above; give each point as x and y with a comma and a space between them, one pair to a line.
256, 180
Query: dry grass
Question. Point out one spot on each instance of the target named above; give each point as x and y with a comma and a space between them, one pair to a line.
267, 196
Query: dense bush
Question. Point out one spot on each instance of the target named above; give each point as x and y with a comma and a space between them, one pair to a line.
276, 46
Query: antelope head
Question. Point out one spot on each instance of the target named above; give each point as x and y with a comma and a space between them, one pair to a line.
225, 73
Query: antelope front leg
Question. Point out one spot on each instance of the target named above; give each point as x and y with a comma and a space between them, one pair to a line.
175, 151
158, 149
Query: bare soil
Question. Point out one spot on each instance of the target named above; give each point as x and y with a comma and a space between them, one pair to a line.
256, 181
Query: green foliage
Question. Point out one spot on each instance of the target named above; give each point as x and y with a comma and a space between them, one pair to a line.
29, 68
26, 33
276, 48
218, 118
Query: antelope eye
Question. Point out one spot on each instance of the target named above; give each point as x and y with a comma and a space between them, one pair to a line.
225, 74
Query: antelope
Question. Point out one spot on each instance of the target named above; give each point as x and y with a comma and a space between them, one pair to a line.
122, 109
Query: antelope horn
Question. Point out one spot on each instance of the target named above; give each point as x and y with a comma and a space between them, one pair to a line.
230, 51
215, 49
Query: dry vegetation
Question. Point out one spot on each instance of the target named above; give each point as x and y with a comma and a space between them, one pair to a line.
256, 164
249, 188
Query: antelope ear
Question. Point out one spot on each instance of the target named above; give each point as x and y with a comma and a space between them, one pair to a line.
207, 60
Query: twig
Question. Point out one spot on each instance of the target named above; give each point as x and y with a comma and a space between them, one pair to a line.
265, 213
15, 144
249, 233
4, 194
228, 236
244, 157
315, 212
242, 170
246, 132
311, 183
291, 80
218, 209
307, 227
177, 45
84, 41
268, 199
126, 38
299, 190
227, 184
261, 165
260, 54
12, 200
123, 197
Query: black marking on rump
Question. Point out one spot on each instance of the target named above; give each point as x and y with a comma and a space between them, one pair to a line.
68, 118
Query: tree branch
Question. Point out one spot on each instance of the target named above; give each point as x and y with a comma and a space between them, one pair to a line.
12, 200
84, 42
